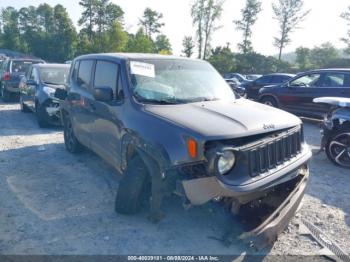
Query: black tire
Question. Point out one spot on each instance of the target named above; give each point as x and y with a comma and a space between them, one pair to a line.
24, 108
339, 155
270, 101
71, 142
6, 95
40, 117
134, 187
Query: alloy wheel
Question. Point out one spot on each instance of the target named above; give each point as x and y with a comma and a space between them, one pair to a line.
339, 149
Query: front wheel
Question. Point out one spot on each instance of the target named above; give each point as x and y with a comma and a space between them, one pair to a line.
134, 187
269, 101
338, 147
71, 142
24, 108
40, 116
6, 95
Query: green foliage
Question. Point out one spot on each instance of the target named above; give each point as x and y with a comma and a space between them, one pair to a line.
188, 46
322, 55
205, 14
223, 59
303, 58
140, 43
249, 17
151, 22
289, 14
44, 31
162, 45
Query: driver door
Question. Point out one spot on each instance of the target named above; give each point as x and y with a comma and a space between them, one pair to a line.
299, 93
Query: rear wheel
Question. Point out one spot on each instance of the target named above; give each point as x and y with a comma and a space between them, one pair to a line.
134, 187
71, 142
269, 101
338, 147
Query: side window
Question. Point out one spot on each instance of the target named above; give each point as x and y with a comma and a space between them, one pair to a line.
333, 80
277, 79
263, 80
311, 80
106, 75
75, 69
32, 74
84, 73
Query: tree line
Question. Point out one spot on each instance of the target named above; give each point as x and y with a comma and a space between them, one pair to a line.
48, 32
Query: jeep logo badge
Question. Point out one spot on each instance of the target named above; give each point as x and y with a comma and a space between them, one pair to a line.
271, 126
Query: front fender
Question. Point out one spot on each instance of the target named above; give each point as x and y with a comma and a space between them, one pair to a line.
342, 115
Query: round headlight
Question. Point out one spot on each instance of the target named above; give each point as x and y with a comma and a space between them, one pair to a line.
226, 161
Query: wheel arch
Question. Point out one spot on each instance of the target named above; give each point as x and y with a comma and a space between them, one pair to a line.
262, 96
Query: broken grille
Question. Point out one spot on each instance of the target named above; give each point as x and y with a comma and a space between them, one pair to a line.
270, 155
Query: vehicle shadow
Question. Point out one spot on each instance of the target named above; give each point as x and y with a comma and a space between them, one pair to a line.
25, 124
69, 200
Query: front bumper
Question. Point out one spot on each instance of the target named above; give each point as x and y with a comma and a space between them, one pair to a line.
201, 190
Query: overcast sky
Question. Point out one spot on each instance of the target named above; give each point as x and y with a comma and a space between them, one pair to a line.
323, 23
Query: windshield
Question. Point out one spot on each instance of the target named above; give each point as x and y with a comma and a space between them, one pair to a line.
177, 81
54, 76
22, 66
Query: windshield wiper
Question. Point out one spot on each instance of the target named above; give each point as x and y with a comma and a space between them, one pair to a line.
203, 99
164, 101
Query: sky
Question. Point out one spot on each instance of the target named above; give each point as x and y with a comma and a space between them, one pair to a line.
323, 24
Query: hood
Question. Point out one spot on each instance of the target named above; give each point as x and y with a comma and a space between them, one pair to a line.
225, 119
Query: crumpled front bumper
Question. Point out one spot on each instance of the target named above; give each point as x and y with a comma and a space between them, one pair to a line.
201, 190
269, 230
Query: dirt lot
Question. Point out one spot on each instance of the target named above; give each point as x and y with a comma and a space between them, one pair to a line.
53, 202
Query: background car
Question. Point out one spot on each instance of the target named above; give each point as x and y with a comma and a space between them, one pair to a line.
252, 88
37, 91
12, 72
252, 77
235, 76
297, 94
236, 86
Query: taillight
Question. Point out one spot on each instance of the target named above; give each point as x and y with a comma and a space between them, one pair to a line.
6, 76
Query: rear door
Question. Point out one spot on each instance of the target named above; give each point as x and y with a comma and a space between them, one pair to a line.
80, 99
107, 115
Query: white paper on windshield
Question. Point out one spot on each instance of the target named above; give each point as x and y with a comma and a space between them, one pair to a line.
143, 69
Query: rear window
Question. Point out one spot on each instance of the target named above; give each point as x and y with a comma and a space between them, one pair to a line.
22, 66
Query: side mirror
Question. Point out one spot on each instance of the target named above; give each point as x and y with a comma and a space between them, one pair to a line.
31, 82
103, 94
60, 94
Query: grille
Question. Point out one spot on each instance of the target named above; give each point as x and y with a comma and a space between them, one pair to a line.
275, 152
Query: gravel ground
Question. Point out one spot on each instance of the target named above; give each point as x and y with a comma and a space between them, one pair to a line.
56, 203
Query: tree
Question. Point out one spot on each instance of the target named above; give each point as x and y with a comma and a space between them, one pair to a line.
346, 15
88, 16
322, 55
289, 14
205, 14
151, 22
162, 45
188, 46
249, 17
303, 58
223, 59
11, 38
140, 43
64, 36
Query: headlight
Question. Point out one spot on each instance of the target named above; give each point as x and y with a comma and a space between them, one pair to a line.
49, 90
225, 162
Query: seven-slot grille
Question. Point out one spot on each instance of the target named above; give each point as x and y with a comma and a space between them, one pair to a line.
270, 155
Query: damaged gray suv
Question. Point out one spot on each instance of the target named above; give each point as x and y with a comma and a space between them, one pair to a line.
173, 125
